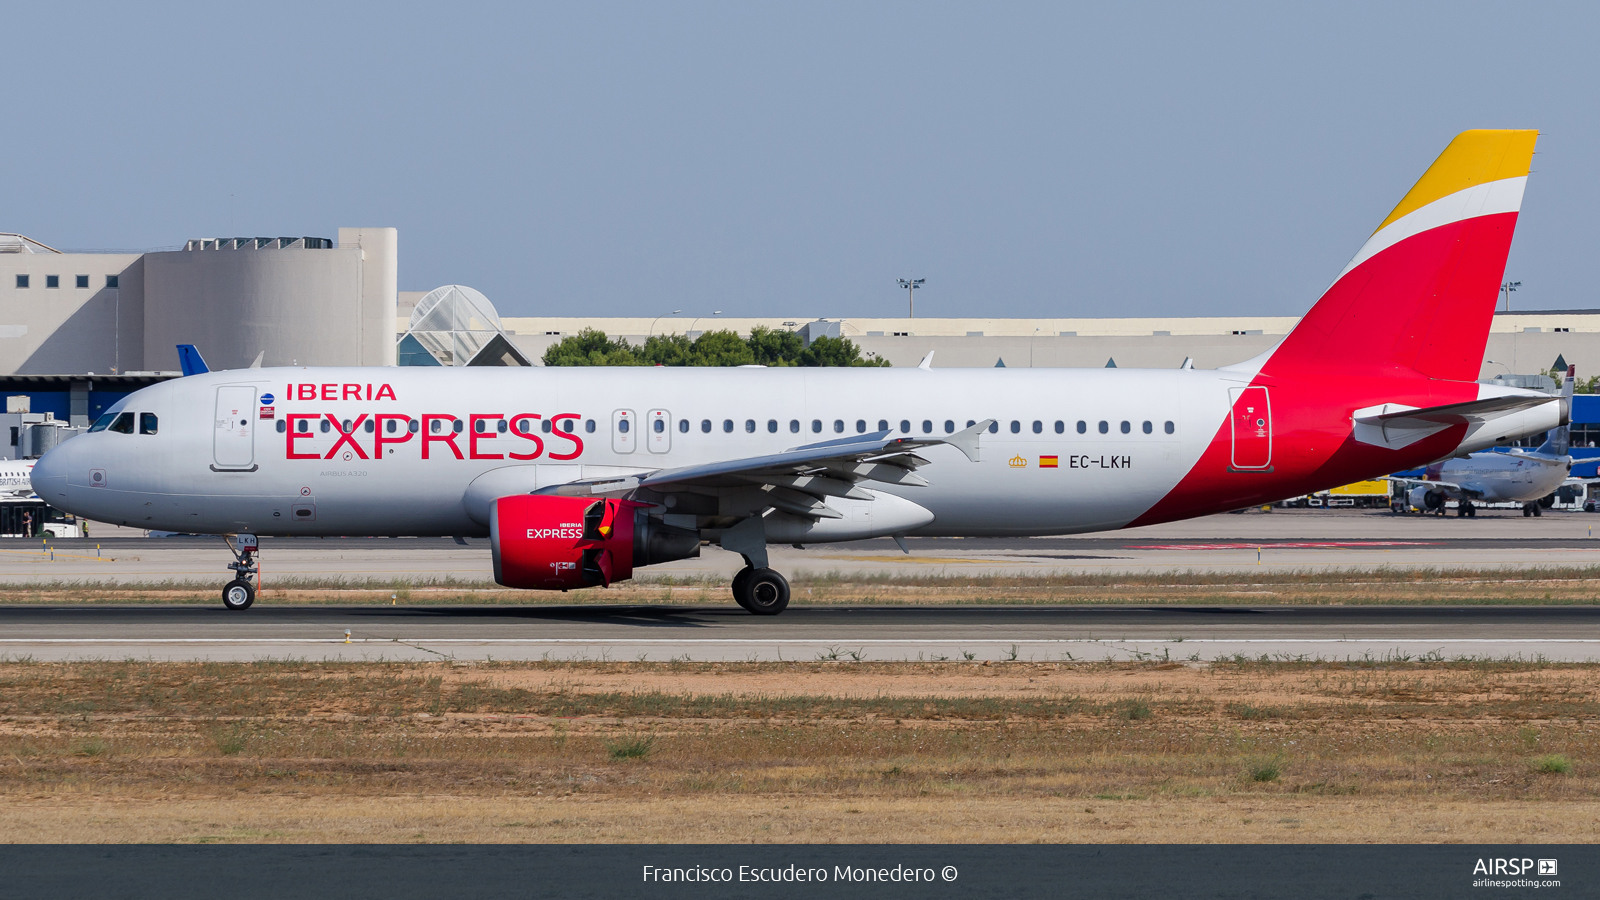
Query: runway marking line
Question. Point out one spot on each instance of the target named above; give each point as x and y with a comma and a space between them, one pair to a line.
827, 641
1295, 545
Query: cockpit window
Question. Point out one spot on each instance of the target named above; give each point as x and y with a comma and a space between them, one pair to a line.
102, 423
123, 424
147, 423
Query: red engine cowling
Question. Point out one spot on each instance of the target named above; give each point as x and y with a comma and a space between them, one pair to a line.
549, 542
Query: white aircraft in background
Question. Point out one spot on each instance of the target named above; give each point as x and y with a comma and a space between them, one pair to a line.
579, 476
16, 477
1517, 476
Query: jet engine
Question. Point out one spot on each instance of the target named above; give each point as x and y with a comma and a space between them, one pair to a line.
1427, 499
546, 542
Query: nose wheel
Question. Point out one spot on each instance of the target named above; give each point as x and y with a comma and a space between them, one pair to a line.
241, 591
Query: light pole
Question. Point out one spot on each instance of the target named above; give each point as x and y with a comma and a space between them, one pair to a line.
657, 319
910, 285
1507, 289
698, 318
1490, 362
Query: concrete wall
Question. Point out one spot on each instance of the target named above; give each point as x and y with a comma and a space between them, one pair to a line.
302, 307
68, 329
380, 289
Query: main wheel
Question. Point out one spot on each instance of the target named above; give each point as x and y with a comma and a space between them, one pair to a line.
766, 593
238, 594
1538, 510
741, 587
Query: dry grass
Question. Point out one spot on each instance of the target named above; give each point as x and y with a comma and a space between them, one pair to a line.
1384, 586
284, 751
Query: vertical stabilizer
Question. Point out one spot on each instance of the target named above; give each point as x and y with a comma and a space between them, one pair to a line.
1421, 293
1558, 442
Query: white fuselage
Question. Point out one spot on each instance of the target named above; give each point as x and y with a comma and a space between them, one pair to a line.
172, 479
16, 478
1515, 477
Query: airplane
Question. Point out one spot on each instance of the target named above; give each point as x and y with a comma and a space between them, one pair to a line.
580, 476
1516, 476
15, 477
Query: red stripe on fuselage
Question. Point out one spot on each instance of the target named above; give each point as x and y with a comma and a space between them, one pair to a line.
1407, 326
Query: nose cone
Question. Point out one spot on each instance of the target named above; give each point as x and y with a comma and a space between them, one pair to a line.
50, 476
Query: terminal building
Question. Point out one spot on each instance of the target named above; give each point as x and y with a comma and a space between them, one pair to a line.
80, 330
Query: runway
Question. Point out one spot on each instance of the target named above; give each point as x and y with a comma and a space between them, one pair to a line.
654, 633
1306, 540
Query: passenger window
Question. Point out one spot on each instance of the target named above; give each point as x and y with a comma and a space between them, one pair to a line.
304, 427
772, 426
623, 425
838, 426
123, 424
683, 426
1038, 427
568, 426
660, 426
369, 427
705, 426
327, 427
816, 426
1126, 427
994, 427
456, 426
749, 426
861, 426
147, 423
794, 426
1083, 427
102, 423
727, 426
927, 426
499, 426
284, 426
345, 428
545, 425
949, 426
588, 425
1061, 427
1148, 428
1105, 427
971, 422
883, 424
1171, 428
1016, 427
905, 426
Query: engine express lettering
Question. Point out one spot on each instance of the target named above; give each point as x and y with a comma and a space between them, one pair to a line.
574, 532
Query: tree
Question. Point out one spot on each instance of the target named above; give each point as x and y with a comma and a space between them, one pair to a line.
830, 351
721, 348
765, 346
590, 348
775, 348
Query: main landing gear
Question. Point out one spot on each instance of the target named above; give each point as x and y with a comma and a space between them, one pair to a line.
241, 591
1532, 509
763, 592
1466, 509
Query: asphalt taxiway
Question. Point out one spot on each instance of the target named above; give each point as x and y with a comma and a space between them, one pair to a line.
659, 633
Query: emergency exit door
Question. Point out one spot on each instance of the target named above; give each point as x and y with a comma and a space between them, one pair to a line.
233, 438
1252, 428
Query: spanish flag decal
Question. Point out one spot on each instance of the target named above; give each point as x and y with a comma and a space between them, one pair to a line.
1049, 462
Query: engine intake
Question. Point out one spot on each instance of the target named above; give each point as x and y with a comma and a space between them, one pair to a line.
545, 542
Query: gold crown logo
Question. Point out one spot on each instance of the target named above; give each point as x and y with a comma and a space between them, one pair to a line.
1019, 462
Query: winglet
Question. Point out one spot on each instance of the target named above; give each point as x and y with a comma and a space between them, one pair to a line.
189, 360
966, 440
927, 361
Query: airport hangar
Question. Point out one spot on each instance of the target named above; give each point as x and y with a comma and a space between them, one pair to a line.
79, 330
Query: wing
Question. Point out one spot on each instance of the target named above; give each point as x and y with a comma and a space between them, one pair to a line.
798, 480
1444, 485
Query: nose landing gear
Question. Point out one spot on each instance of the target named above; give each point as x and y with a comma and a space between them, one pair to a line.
241, 591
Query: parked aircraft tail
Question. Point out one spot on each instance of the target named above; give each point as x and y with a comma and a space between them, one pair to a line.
1558, 442
1420, 295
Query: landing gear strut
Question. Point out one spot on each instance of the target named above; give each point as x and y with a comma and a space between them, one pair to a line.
763, 592
1466, 509
241, 591
1532, 509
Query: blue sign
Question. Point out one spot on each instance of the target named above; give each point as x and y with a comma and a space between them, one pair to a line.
266, 399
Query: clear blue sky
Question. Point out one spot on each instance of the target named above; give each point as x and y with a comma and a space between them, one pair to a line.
765, 159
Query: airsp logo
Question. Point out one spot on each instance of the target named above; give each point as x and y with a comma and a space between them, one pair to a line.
1547, 867
1499, 866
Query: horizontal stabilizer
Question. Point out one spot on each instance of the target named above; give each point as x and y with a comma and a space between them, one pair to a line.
1395, 425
